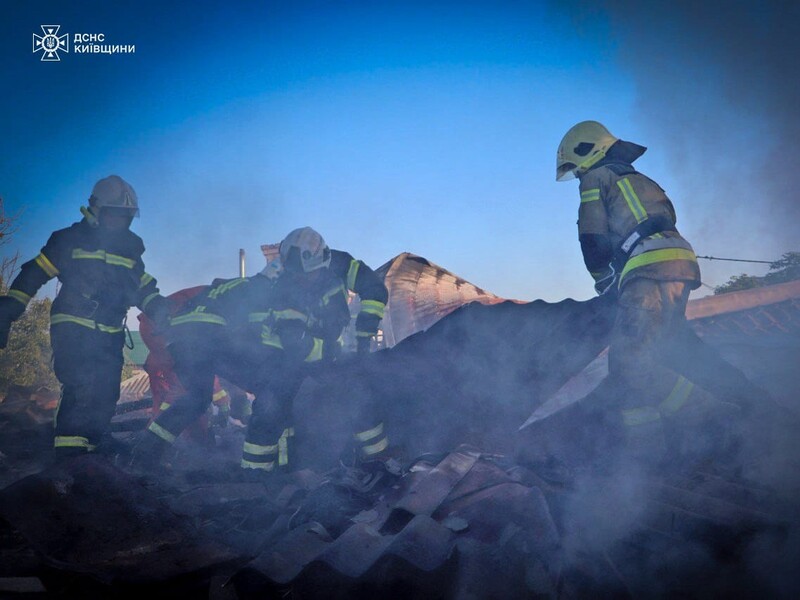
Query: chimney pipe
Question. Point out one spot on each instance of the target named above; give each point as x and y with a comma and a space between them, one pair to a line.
241, 262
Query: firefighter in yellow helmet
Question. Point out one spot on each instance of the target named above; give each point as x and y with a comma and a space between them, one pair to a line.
632, 248
98, 261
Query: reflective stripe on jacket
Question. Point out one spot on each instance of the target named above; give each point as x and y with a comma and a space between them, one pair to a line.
615, 198
363, 281
101, 272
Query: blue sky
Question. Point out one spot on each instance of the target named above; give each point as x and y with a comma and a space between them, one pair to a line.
387, 126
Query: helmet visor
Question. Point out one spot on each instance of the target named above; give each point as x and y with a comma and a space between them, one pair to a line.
566, 171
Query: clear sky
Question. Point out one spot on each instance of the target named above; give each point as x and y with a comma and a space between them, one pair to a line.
427, 127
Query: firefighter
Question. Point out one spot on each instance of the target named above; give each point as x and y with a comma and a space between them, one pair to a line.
371, 291
632, 248
164, 384
216, 332
311, 294
98, 261
265, 335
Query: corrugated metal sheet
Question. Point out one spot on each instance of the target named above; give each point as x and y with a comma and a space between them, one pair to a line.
771, 310
135, 387
421, 293
464, 498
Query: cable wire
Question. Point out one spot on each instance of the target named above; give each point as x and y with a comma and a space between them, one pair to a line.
765, 262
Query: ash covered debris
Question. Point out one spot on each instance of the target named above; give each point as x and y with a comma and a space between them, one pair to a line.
495, 519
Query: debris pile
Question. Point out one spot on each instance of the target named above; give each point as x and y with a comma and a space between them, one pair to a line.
499, 516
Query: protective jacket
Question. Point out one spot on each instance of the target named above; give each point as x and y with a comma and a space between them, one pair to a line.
295, 317
260, 334
307, 316
360, 279
102, 276
626, 226
239, 304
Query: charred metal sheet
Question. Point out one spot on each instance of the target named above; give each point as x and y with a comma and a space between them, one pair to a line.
490, 510
473, 377
284, 561
421, 293
428, 492
377, 514
771, 312
573, 390
356, 550
484, 474
423, 543
86, 516
413, 558
360, 563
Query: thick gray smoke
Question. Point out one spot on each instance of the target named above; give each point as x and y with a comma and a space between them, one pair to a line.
720, 83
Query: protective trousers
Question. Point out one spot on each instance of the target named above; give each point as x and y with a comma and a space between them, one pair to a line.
657, 360
270, 431
201, 351
369, 435
88, 363
194, 364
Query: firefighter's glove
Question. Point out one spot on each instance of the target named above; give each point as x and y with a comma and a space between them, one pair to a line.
607, 285
363, 345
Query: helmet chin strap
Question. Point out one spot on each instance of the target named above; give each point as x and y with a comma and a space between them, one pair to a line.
90, 217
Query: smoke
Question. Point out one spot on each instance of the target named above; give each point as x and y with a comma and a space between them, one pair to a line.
719, 82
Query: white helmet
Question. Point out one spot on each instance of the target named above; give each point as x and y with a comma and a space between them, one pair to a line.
582, 146
113, 192
304, 250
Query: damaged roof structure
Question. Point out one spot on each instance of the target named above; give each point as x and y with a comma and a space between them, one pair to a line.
480, 508
421, 293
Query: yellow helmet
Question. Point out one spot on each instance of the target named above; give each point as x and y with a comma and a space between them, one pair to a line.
582, 146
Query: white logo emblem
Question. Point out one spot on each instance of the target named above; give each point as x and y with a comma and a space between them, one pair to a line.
50, 43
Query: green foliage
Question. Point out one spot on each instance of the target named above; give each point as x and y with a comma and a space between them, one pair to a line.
738, 283
127, 370
786, 268
26, 360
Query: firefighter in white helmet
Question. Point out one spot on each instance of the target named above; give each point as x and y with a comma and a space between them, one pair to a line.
632, 248
99, 264
265, 334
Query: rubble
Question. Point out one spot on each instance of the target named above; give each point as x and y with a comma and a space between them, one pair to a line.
495, 518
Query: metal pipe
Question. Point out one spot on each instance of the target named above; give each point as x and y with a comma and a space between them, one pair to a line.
241, 262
